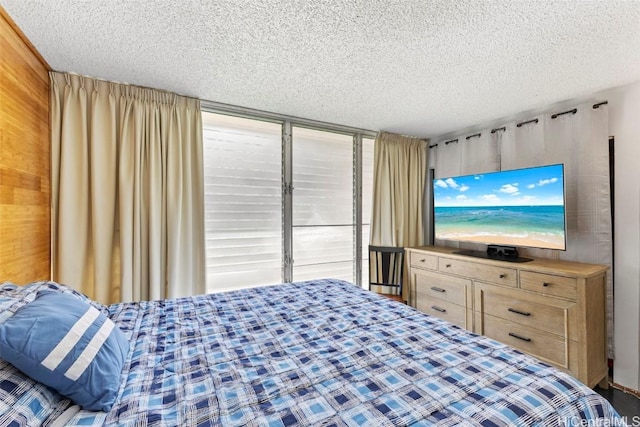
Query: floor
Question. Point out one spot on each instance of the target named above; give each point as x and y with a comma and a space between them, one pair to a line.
626, 404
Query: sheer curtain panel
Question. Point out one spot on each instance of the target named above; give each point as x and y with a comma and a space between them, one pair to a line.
127, 190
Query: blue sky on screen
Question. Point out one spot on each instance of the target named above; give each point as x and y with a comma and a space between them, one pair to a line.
522, 187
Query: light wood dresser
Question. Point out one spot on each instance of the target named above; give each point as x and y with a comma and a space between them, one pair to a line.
552, 309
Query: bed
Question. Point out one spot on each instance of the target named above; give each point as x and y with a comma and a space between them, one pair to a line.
321, 352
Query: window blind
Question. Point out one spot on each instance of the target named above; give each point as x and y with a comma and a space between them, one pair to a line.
243, 201
323, 227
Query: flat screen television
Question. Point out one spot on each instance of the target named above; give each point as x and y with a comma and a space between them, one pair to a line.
512, 208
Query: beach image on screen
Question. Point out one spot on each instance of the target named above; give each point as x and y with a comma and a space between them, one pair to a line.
523, 207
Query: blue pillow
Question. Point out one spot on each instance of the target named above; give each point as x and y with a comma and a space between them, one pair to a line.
68, 345
13, 297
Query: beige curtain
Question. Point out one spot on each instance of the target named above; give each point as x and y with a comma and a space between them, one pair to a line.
400, 170
127, 190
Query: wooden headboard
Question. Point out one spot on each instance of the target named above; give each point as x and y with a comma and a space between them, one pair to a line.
25, 237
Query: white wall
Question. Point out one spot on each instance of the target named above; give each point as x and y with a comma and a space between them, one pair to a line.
624, 125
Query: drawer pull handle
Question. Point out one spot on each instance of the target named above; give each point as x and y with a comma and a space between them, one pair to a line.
447, 265
546, 284
522, 313
423, 260
437, 289
436, 308
511, 334
502, 276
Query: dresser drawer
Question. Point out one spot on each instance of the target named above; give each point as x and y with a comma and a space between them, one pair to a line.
541, 344
529, 314
421, 260
438, 285
549, 284
553, 309
442, 309
487, 273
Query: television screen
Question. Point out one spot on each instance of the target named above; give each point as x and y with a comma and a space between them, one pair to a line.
520, 207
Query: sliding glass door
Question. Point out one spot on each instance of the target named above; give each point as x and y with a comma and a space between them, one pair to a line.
323, 204
282, 202
243, 202
367, 200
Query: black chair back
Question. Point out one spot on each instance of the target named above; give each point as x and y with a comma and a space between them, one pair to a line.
386, 265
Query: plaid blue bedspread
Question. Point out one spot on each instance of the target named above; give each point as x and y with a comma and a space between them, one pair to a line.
327, 353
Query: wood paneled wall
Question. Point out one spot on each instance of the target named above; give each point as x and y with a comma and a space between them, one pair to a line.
25, 237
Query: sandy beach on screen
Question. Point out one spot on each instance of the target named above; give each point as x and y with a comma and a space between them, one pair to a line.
553, 242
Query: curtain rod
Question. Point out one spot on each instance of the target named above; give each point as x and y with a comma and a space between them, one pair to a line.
527, 122
575, 110
433, 146
504, 128
473, 136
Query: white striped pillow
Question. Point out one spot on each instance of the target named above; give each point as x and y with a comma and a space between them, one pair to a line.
69, 346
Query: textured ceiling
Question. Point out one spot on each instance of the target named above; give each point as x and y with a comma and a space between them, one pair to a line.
422, 68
